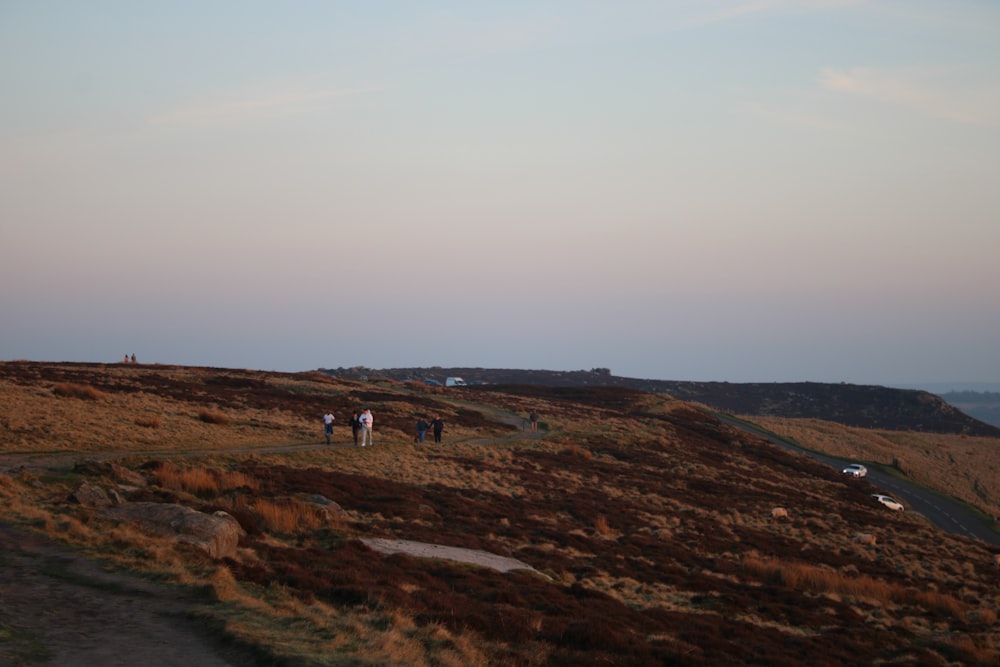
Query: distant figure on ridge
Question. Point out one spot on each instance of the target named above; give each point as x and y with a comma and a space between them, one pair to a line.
133, 357
328, 420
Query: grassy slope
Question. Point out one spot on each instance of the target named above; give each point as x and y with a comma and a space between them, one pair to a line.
964, 467
652, 521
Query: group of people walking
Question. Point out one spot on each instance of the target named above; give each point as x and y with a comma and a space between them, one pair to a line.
435, 425
361, 427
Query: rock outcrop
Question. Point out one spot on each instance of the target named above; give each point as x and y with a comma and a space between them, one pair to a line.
217, 534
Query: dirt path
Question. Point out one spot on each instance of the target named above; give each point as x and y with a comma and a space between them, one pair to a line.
60, 609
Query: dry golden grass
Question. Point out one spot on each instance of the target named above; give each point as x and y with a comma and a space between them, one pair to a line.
148, 422
202, 480
71, 390
577, 450
802, 576
213, 417
37, 421
288, 517
603, 529
965, 467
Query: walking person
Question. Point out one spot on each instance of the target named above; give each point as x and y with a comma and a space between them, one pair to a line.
533, 417
355, 426
437, 424
367, 421
328, 420
422, 427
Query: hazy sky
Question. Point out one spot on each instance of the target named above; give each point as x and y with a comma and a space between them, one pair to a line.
742, 190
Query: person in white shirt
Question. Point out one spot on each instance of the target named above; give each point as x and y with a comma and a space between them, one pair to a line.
366, 427
328, 420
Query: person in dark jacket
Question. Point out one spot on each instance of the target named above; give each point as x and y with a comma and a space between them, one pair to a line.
422, 427
437, 424
355, 426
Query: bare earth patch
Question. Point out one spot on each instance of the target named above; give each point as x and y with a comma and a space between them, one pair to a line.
58, 608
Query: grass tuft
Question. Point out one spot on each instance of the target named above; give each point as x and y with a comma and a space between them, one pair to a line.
286, 517
202, 481
148, 422
213, 417
72, 390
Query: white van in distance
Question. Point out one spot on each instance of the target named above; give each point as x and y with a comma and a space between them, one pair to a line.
454, 382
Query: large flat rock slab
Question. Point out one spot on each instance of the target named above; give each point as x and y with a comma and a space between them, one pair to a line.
459, 554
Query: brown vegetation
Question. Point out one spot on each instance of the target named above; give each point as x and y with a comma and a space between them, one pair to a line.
213, 417
802, 576
650, 520
77, 391
148, 422
965, 467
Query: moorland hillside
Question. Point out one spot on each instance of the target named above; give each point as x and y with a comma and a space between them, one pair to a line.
863, 406
656, 534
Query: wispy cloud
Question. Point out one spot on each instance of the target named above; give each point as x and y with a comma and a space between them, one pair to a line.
740, 9
945, 93
250, 107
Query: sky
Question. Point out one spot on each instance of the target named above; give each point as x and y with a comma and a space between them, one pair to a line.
730, 190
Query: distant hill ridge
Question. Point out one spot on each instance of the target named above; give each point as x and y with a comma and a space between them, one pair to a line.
984, 406
864, 406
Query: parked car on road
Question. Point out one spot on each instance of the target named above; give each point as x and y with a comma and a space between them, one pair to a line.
888, 502
856, 469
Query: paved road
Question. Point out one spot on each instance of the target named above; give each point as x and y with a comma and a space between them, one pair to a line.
949, 515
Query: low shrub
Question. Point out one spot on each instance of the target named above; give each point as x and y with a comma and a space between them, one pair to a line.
71, 390
213, 417
603, 529
286, 517
148, 422
203, 481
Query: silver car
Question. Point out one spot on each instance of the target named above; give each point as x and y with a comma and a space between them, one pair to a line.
856, 469
888, 502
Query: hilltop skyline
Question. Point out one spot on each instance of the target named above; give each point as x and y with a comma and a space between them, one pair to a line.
744, 191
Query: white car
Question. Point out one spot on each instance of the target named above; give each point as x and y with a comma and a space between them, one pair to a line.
888, 502
856, 469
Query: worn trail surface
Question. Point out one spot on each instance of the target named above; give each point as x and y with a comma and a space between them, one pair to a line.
59, 609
